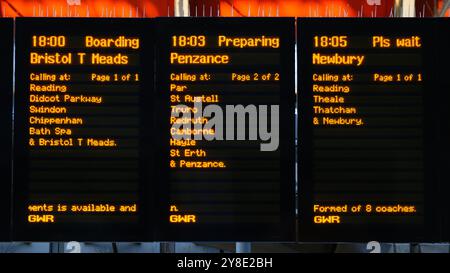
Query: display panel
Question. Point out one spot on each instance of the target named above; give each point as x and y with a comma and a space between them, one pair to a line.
89, 120
367, 130
225, 98
6, 87
442, 30
83, 88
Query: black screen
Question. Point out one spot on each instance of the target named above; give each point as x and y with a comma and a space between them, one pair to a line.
442, 29
368, 121
225, 189
6, 86
182, 129
83, 90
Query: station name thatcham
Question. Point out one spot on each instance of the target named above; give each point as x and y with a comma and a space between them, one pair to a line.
251, 122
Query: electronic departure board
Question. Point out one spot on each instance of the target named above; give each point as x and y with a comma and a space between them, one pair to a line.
225, 100
183, 129
81, 89
6, 87
368, 144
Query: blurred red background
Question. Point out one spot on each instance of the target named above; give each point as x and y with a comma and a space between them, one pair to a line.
154, 8
87, 8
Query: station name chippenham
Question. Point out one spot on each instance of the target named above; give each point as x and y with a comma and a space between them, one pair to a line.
337, 59
55, 121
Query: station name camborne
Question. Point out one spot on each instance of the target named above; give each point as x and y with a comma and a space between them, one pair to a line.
233, 122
